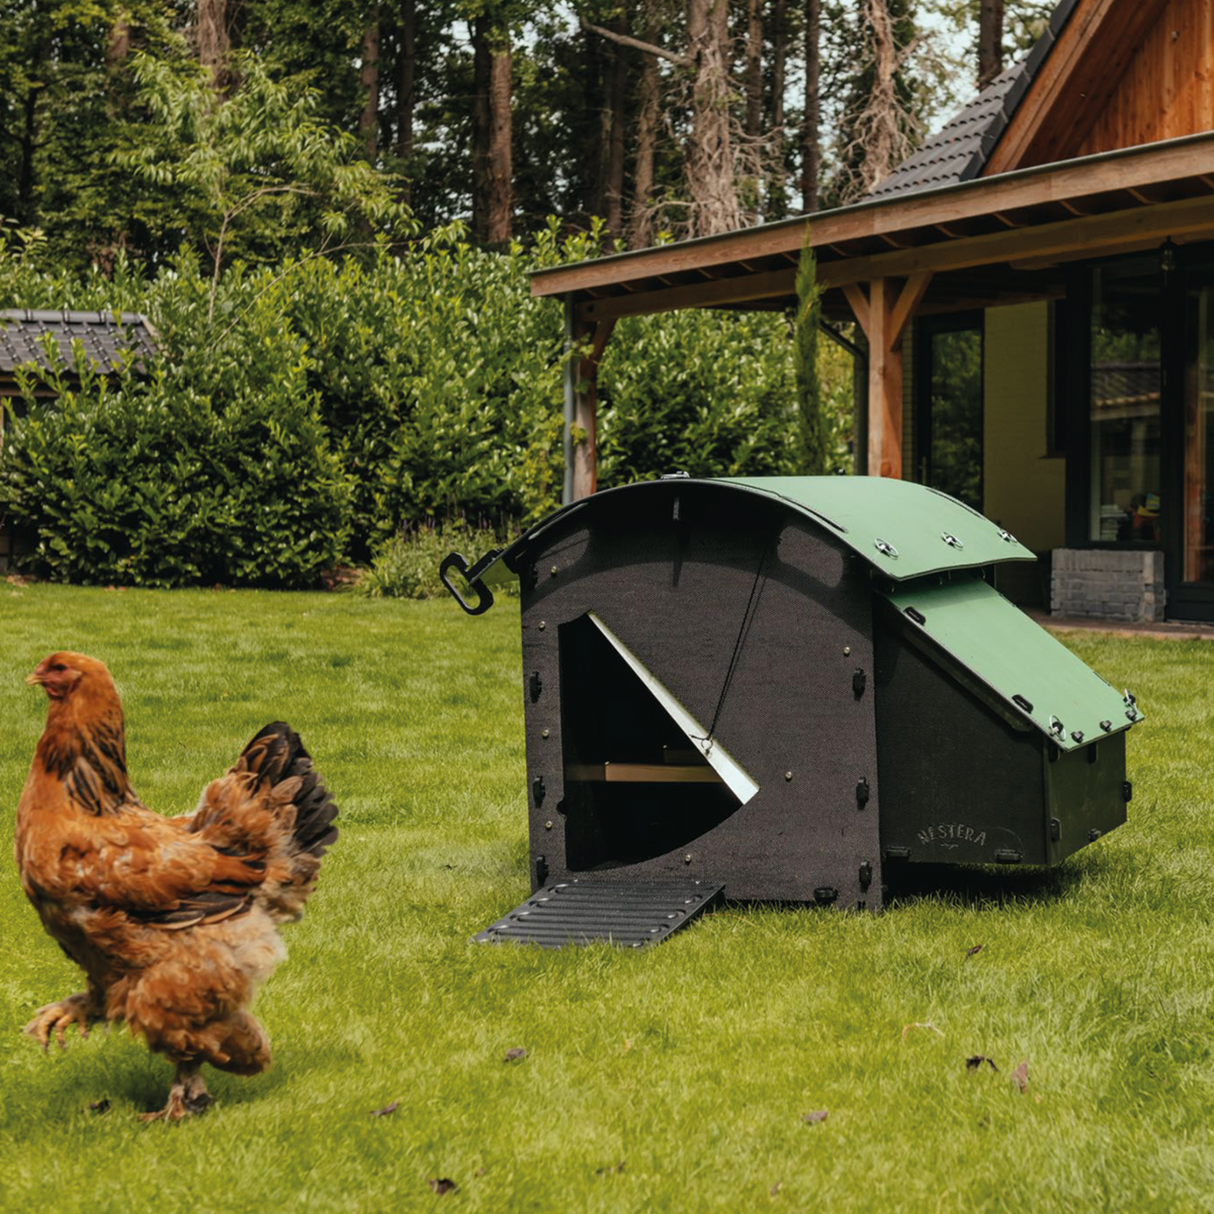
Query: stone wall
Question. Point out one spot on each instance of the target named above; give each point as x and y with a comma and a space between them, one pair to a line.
1107, 584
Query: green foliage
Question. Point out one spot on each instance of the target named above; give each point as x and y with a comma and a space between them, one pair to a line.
257, 174
306, 412
406, 567
697, 392
216, 468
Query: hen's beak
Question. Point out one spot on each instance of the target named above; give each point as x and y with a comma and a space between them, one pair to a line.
34, 680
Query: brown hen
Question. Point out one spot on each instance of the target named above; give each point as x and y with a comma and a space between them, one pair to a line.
173, 920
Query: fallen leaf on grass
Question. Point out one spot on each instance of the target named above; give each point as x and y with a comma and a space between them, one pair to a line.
774, 1191
388, 1108
441, 1185
975, 1061
609, 1170
517, 1054
906, 1028
970, 952
1020, 1076
99, 1106
815, 1117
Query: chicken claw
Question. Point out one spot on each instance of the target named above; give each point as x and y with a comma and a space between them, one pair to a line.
56, 1017
187, 1096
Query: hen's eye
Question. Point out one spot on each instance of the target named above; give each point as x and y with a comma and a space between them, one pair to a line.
59, 666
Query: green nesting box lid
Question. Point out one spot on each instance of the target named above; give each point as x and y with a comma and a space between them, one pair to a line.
1033, 673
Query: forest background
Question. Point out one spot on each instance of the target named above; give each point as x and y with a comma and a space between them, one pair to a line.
328, 212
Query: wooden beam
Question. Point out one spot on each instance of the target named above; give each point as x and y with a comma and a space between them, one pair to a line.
858, 301
1072, 181
884, 383
585, 407
720, 292
1063, 239
907, 302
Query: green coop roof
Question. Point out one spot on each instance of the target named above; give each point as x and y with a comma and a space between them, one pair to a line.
1036, 675
903, 529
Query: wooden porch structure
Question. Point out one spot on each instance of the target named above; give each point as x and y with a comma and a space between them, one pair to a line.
993, 240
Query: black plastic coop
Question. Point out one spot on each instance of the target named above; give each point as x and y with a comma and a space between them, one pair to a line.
765, 688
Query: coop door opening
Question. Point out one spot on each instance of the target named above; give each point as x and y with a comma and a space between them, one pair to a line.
642, 778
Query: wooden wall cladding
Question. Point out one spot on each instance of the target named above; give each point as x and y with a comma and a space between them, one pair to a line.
1167, 89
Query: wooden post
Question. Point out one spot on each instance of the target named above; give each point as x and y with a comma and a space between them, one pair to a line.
883, 314
884, 384
581, 404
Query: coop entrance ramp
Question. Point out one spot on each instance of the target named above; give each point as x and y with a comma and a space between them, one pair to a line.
627, 914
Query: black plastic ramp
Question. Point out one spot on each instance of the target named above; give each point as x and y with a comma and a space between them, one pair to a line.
628, 914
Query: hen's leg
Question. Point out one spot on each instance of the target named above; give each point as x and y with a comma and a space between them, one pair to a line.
187, 1096
81, 1009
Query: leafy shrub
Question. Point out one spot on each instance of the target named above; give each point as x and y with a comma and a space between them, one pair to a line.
406, 567
306, 413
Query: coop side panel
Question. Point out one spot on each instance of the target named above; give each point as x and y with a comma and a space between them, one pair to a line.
760, 624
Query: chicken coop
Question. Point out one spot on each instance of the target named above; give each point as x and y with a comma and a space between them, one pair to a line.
768, 688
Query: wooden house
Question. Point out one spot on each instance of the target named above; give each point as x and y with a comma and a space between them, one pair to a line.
1053, 246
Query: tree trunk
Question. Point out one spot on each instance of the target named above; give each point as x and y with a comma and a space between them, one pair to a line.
754, 69
119, 44
811, 156
710, 167
406, 81
480, 130
368, 77
491, 151
776, 199
990, 41
881, 128
212, 35
617, 121
640, 220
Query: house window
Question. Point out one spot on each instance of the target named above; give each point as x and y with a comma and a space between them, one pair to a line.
1126, 389
948, 362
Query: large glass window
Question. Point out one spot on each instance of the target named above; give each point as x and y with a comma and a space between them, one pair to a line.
1126, 389
950, 432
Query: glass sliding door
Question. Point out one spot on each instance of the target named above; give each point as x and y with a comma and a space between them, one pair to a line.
1126, 503
1198, 408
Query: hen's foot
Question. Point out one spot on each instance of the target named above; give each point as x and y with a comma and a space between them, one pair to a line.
56, 1017
187, 1097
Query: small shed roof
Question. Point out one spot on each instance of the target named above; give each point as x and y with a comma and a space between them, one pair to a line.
110, 339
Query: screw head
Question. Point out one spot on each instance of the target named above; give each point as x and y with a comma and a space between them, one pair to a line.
544, 734
548, 824
847, 651
543, 625
687, 858
553, 571
788, 775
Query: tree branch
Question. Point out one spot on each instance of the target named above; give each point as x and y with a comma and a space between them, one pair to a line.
647, 48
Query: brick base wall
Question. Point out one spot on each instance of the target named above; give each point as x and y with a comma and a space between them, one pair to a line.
1108, 584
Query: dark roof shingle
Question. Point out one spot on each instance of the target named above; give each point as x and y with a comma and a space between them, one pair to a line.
110, 339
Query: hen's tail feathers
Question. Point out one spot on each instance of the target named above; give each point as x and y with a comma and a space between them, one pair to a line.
275, 755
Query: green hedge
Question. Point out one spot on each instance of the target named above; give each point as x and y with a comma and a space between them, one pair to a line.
304, 414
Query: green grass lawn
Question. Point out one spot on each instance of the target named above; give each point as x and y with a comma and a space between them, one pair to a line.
672, 1079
